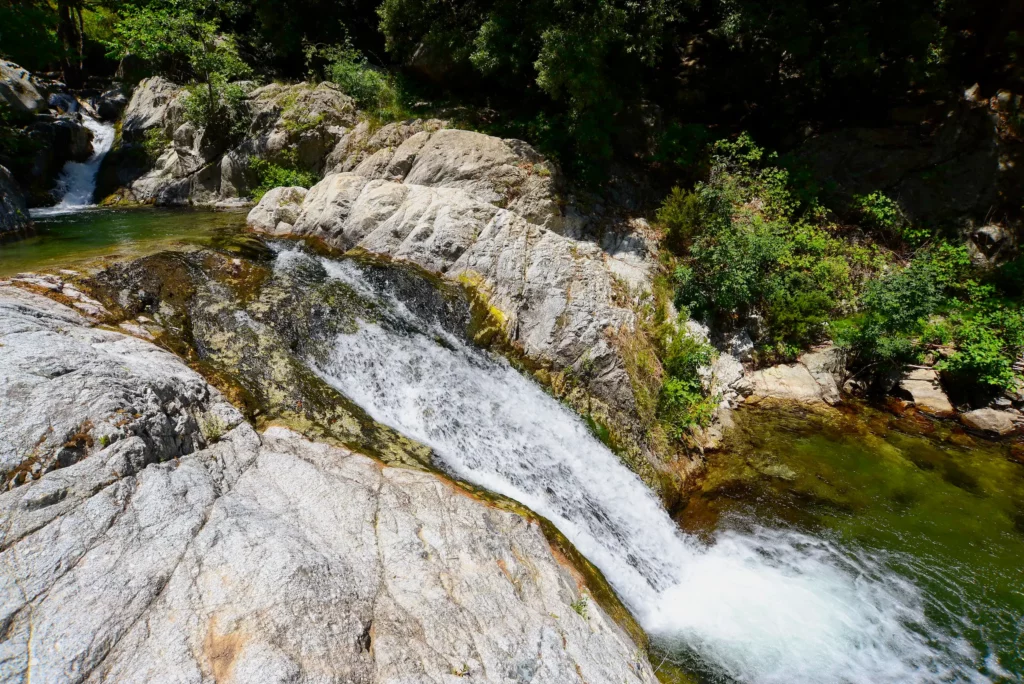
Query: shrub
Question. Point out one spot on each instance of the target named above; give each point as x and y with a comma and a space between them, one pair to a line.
272, 176
987, 345
680, 215
373, 89
683, 402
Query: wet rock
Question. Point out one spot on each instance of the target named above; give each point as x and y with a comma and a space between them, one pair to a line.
922, 385
992, 421
255, 557
110, 103
20, 92
14, 216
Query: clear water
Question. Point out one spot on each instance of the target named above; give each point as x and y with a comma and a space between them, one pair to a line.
756, 600
68, 240
78, 179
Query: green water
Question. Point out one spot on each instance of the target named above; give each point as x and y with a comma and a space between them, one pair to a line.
99, 234
943, 509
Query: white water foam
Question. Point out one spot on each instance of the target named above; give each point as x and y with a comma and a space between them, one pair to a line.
767, 606
78, 179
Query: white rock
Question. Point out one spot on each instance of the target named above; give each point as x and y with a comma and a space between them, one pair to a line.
922, 384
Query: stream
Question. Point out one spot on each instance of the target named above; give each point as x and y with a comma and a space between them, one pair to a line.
813, 551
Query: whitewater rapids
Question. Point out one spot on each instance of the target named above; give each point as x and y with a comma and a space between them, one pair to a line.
764, 606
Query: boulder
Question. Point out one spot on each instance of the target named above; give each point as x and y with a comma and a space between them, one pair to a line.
279, 206
14, 216
555, 294
20, 92
924, 389
827, 365
150, 107
791, 382
990, 244
992, 421
181, 545
110, 103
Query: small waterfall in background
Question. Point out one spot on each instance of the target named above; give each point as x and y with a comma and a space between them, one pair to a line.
766, 605
78, 179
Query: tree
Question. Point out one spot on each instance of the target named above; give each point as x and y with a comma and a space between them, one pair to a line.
182, 38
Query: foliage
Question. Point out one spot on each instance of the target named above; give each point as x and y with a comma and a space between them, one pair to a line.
757, 248
987, 344
183, 38
684, 403
373, 88
272, 176
28, 35
155, 142
580, 606
883, 215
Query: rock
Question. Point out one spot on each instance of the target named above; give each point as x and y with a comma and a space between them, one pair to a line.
255, 557
922, 384
792, 382
20, 92
14, 216
740, 345
280, 205
150, 108
827, 366
991, 421
990, 244
110, 103
555, 294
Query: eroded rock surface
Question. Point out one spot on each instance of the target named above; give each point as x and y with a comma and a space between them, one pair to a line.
484, 211
257, 557
925, 390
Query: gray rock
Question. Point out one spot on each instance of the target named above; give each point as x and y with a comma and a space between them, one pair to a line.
14, 216
922, 384
991, 421
827, 366
259, 558
110, 103
149, 108
792, 382
19, 90
280, 205
555, 293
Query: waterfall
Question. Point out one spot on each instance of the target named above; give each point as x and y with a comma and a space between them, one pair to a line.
766, 605
78, 179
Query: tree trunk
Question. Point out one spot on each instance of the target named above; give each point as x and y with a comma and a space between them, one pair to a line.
70, 36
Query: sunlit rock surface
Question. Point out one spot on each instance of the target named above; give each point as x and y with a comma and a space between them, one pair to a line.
184, 546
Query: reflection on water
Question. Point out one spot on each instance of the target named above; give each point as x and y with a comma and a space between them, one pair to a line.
69, 239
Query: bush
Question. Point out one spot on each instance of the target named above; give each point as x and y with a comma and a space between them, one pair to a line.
272, 176
680, 215
987, 345
373, 89
683, 402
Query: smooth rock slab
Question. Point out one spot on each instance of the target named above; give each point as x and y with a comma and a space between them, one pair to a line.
268, 558
922, 384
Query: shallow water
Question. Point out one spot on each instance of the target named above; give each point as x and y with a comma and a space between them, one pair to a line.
71, 239
750, 596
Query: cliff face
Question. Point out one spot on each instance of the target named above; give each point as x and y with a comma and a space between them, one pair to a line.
148, 532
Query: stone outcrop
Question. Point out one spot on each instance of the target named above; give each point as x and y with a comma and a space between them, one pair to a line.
924, 389
484, 211
181, 545
19, 90
292, 126
14, 216
814, 379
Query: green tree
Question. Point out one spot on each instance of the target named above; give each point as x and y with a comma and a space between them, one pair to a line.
183, 37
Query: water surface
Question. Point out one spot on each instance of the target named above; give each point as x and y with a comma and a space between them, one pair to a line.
70, 239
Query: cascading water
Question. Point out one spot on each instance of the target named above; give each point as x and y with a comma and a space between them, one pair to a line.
761, 606
78, 179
